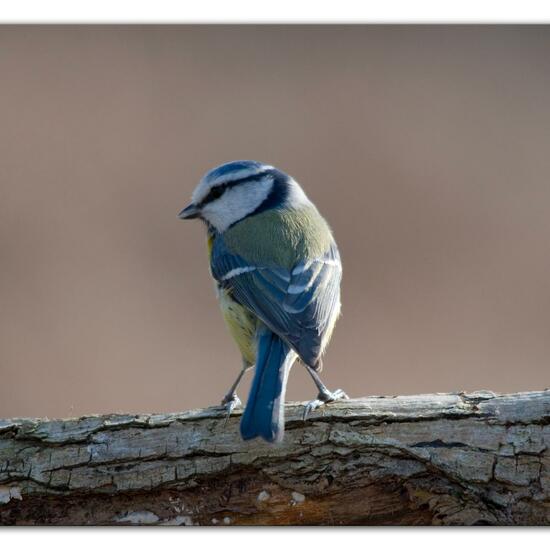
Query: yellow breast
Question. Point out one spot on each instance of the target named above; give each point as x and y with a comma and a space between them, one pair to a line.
240, 322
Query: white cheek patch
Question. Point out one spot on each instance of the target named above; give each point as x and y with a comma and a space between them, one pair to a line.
237, 202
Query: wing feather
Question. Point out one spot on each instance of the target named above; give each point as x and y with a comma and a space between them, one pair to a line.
299, 304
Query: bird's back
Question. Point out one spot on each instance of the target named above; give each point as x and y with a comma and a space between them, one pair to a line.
280, 237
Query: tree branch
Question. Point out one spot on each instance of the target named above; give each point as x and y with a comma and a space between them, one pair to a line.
457, 459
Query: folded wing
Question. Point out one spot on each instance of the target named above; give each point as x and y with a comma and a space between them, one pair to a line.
298, 304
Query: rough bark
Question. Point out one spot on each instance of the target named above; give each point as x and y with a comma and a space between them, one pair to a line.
453, 459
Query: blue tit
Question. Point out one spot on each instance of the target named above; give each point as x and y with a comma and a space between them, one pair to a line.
277, 271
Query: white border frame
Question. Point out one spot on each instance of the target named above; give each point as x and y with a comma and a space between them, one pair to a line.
279, 11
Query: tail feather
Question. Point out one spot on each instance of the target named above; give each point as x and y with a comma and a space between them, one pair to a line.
264, 412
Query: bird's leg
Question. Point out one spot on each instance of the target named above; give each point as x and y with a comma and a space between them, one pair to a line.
324, 396
231, 400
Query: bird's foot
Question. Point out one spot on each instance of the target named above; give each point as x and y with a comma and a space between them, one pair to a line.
229, 403
322, 398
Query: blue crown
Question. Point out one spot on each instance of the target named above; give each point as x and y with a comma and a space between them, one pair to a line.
239, 168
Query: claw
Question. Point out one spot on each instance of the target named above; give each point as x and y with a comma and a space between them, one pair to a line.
339, 394
323, 398
230, 402
310, 407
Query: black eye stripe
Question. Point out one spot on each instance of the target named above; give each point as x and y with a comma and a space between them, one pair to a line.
215, 193
219, 190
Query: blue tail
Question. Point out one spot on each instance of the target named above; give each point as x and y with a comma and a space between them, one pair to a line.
264, 412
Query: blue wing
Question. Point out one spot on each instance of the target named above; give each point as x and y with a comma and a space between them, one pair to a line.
298, 304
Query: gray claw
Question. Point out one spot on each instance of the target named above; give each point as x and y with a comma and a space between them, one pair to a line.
230, 403
339, 394
311, 406
323, 398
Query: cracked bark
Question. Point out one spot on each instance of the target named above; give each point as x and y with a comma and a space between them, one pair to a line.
447, 459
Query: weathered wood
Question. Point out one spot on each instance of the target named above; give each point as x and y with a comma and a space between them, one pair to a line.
456, 459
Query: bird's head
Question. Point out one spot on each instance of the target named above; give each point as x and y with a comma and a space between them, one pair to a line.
242, 188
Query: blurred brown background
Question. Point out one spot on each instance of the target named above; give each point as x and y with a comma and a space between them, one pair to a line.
427, 149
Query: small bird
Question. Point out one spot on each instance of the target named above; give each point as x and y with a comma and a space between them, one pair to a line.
277, 270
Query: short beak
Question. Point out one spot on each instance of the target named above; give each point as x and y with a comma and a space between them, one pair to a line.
189, 212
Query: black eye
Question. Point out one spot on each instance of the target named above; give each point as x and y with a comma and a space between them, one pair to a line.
217, 192
213, 194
